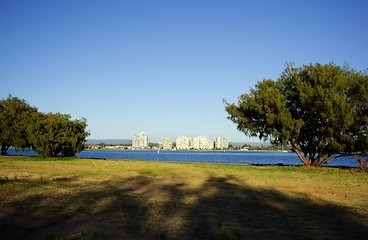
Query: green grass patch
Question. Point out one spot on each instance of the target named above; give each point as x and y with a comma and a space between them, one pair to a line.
75, 198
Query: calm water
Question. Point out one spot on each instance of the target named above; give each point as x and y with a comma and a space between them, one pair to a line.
249, 157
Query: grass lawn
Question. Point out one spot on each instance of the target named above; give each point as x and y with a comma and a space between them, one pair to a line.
131, 199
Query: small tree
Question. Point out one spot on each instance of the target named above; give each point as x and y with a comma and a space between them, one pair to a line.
53, 134
74, 137
15, 114
319, 110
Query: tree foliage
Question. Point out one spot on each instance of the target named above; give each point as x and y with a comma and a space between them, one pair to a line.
22, 127
321, 111
53, 134
15, 115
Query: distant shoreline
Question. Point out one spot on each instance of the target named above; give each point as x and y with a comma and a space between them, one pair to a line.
129, 142
193, 150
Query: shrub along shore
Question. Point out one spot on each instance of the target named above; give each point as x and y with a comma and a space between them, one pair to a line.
71, 198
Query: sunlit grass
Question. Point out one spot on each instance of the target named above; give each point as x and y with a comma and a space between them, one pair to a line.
110, 198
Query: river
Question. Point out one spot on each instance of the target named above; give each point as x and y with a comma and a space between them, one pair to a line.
239, 157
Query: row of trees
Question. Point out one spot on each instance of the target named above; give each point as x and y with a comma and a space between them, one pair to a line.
23, 126
321, 111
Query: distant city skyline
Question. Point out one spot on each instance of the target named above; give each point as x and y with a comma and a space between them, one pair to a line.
129, 142
164, 67
140, 141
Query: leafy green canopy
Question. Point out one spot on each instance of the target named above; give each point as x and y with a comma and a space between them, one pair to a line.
15, 114
22, 127
321, 111
52, 134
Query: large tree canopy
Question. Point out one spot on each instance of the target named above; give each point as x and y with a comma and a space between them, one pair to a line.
15, 114
53, 134
321, 111
22, 127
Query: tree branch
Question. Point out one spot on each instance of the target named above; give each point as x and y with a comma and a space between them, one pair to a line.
303, 159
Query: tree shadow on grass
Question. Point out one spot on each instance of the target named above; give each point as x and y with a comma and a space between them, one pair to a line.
98, 211
236, 211
132, 208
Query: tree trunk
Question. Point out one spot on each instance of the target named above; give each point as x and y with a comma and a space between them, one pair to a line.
301, 157
362, 163
4, 149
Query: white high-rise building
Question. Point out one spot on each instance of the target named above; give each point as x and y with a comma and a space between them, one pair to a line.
202, 143
182, 143
166, 144
196, 143
140, 141
222, 142
211, 145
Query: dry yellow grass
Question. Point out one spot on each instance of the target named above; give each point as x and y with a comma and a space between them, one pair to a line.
127, 199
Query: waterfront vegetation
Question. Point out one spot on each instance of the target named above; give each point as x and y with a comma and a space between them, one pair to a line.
71, 198
320, 111
49, 134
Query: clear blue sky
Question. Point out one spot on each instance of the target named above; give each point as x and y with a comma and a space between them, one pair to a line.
163, 67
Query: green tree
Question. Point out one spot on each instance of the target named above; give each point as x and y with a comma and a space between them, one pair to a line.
53, 134
319, 110
359, 129
15, 114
